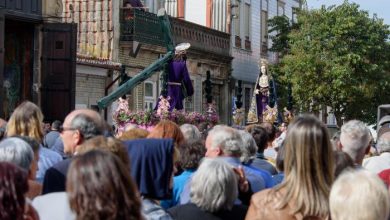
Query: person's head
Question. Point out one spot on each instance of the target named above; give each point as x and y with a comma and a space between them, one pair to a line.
13, 187
214, 186
336, 140
248, 148
342, 162
78, 126
55, 125
134, 133
26, 120
271, 131
190, 154
190, 132
260, 135
359, 195
308, 166
108, 144
383, 143
263, 69
167, 129
21, 151
223, 141
100, 187
355, 140
283, 127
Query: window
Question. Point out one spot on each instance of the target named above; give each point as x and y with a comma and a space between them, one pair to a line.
219, 14
280, 8
247, 14
246, 17
189, 101
171, 7
264, 32
149, 95
237, 19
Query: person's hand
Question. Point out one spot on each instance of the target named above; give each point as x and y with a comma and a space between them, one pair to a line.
257, 91
243, 183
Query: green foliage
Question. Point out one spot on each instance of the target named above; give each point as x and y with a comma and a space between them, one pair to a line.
281, 26
338, 57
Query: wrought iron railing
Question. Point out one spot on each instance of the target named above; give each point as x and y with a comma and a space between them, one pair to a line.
138, 25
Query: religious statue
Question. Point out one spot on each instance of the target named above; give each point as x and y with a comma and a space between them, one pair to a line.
179, 82
260, 96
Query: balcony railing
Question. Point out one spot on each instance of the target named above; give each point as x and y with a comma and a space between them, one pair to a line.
144, 27
138, 25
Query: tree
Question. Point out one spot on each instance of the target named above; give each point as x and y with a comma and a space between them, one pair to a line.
338, 57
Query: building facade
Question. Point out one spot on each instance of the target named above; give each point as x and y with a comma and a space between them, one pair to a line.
250, 38
209, 52
37, 53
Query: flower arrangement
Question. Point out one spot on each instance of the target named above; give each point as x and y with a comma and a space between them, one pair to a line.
123, 116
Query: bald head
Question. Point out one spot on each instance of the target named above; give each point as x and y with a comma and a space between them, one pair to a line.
80, 125
88, 112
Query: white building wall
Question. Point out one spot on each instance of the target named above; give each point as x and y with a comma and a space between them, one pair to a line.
195, 11
245, 62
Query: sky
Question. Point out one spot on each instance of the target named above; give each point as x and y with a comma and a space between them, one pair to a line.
380, 7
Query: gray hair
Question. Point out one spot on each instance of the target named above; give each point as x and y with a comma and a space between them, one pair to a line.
383, 144
190, 132
16, 151
249, 147
355, 137
214, 186
227, 139
87, 126
361, 189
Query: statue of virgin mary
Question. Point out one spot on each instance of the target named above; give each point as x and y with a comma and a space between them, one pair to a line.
260, 95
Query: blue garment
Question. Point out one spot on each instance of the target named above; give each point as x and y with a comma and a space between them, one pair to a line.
47, 158
261, 162
152, 211
151, 166
255, 179
269, 183
50, 138
59, 147
278, 178
178, 185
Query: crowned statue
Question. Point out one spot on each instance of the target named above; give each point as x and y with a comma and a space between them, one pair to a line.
260, 98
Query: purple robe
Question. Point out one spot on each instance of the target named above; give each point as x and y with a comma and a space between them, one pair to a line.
261, 103
178, 73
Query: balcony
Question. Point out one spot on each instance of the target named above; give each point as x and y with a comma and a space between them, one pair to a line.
144, 27
26, 9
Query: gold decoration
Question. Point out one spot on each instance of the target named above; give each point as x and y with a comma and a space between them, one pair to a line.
270, 115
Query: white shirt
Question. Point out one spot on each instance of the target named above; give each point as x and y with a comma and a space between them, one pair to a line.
53, 206
377, 164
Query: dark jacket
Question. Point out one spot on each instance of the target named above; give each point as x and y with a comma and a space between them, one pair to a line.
192, 212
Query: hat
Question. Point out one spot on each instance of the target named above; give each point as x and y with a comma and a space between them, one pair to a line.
181, 48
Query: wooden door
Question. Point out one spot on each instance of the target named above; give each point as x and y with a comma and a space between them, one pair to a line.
58, 70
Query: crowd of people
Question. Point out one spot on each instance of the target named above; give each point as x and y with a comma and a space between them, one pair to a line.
80, 169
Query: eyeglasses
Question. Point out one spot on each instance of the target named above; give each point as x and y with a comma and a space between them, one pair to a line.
62, 129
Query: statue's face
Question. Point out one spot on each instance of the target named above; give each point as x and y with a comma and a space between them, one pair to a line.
263, 69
